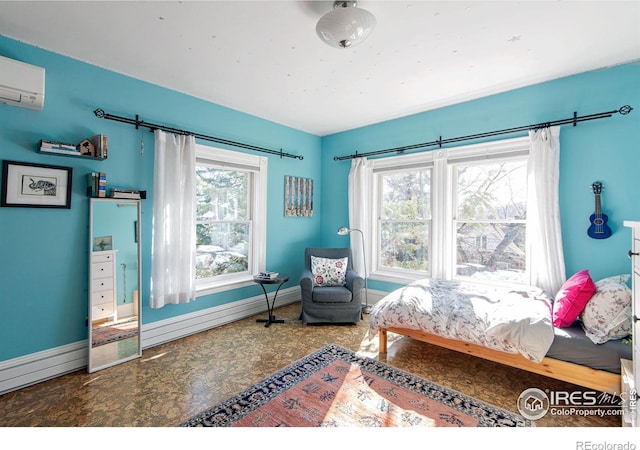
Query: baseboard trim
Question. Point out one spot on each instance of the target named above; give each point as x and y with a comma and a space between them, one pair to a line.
41, 366
37, 367
167, 330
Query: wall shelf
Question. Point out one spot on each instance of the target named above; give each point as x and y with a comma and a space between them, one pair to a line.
68, 153
64, 149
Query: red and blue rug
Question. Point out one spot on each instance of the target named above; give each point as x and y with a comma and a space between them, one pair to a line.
334, 387
114, 332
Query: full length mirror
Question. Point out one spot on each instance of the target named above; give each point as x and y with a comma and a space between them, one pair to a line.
114, 282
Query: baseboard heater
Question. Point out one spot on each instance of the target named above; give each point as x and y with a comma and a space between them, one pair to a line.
37, 367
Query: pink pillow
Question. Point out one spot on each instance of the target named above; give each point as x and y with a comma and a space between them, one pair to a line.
572, 298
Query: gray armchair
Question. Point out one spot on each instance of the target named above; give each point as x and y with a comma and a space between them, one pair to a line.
331, 304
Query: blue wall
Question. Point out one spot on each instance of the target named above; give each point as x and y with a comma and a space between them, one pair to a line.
604, 150
44, 252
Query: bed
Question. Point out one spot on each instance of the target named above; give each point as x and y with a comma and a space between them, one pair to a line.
507, 326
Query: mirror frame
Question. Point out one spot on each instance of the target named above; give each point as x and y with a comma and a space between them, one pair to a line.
92, 363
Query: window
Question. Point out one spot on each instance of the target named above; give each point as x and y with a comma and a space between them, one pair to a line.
230, 218
490, 220
405, 219
456, 213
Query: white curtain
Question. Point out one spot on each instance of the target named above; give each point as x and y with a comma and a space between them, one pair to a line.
173, 238
360, 200
543, 210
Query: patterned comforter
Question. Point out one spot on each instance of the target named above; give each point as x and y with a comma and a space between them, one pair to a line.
513, 321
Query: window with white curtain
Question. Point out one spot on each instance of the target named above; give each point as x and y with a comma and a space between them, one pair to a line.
230, 218
454, 213
404, 223
489, 221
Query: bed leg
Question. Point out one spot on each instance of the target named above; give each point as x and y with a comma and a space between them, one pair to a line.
382, 350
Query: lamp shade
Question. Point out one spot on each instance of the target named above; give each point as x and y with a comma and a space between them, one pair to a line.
343, 230
345, 26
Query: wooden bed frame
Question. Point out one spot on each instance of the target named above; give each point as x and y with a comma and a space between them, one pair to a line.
598, 380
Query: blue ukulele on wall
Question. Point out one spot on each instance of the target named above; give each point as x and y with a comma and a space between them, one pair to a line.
598, 228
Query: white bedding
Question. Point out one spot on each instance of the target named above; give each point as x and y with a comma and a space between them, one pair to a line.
513, 321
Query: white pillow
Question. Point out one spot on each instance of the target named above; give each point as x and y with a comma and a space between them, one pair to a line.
607, 315
329, 272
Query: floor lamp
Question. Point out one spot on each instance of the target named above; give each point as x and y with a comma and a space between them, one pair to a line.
344, 231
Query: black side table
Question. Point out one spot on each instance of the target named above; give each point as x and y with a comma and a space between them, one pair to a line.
280, 280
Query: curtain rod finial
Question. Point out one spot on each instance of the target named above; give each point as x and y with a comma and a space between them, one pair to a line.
626, 109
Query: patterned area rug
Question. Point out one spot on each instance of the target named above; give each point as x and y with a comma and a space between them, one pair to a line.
115, 332
334, 387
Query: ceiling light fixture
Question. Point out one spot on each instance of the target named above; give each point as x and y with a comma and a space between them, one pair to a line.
346, 26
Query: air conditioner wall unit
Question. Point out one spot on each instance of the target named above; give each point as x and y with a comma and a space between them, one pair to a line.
21, 84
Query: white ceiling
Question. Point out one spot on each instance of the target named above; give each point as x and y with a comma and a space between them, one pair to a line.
264, 58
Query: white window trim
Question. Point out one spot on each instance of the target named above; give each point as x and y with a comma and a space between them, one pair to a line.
442, 162
258, 192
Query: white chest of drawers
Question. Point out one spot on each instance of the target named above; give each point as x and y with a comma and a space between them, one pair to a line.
631, 369
103, 285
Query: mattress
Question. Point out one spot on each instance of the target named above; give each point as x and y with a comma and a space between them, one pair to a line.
572, 345
499, 318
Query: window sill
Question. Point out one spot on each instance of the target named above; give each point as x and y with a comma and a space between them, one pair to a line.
398, 277
224, 285
404, 278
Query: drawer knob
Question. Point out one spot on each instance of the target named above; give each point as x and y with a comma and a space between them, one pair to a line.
631, 253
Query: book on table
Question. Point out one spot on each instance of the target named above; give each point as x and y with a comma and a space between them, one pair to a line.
268, 275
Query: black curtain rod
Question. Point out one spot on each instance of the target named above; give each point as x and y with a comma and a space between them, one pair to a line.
152, 126
573, 120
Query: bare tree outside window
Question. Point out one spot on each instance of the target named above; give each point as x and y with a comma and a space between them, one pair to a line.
490, 220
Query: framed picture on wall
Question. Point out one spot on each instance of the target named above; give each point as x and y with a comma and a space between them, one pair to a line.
32, 185
298, 197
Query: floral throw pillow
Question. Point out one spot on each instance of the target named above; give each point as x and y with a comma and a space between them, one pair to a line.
329, 272
607, 315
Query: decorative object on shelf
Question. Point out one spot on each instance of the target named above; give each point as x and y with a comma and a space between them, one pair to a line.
59, 147
97, 184
100, 145
84, 149
126, 193
35, 185
342, 231
598, 228
87, 148
345, 26
298, 197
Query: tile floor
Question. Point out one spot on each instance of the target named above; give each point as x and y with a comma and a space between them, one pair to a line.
174, 381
